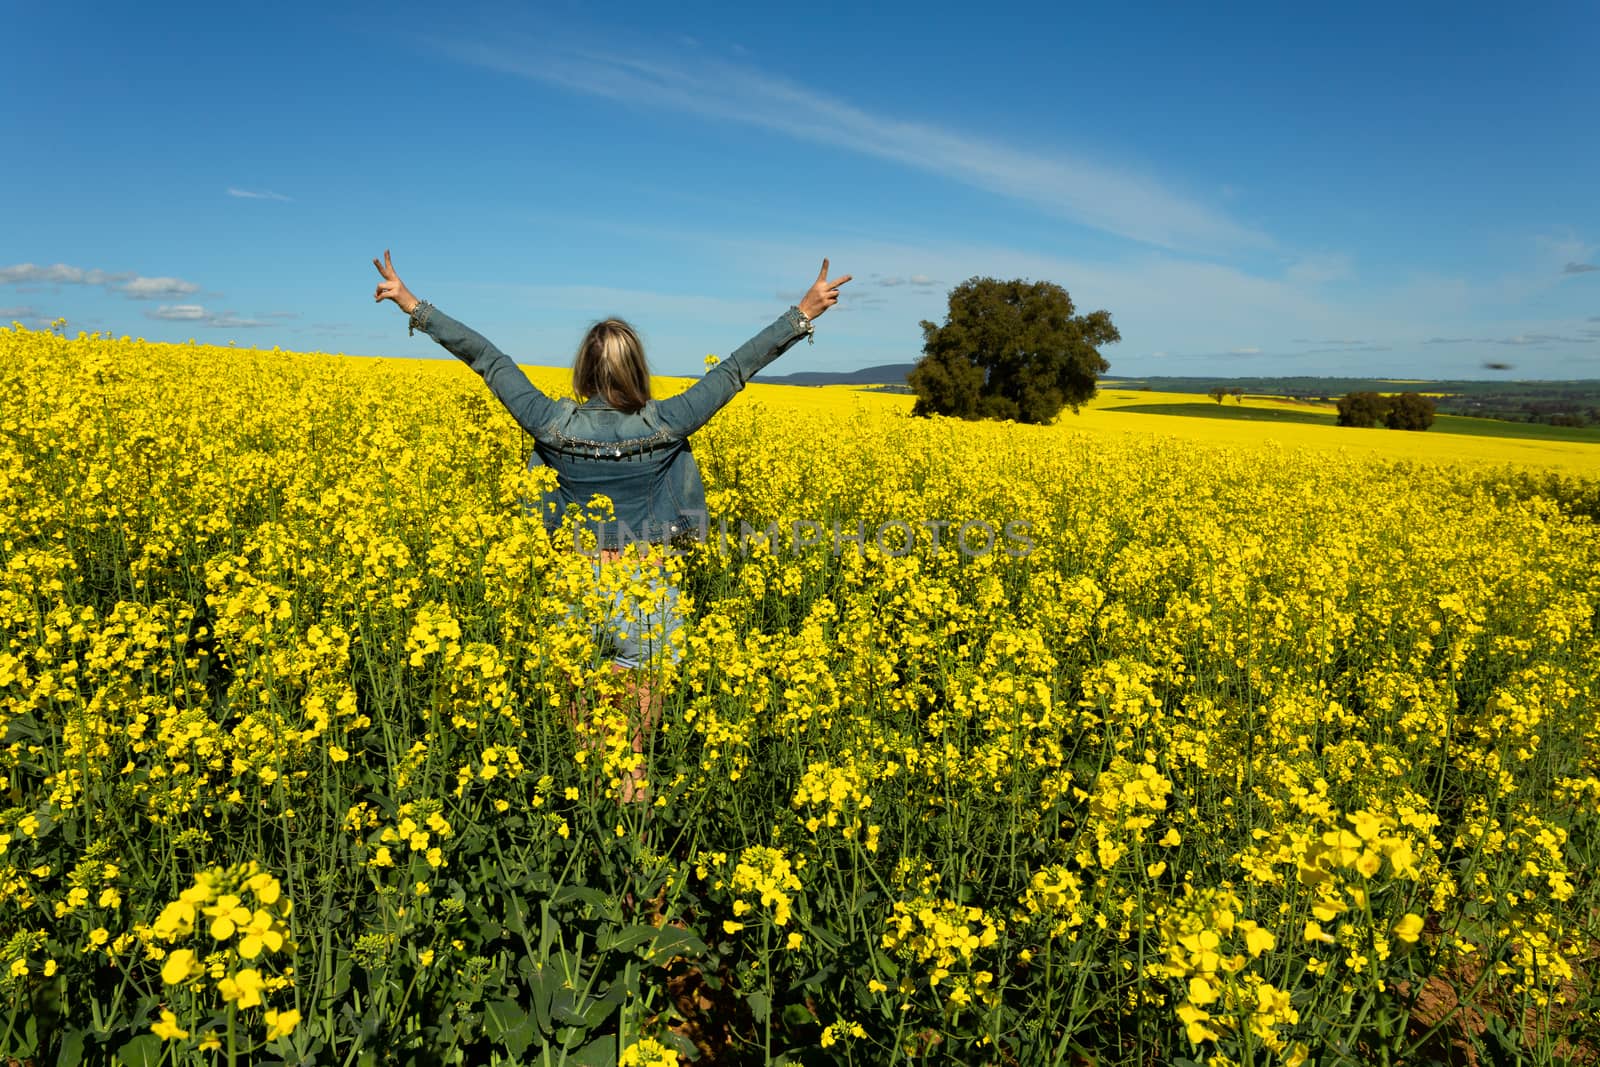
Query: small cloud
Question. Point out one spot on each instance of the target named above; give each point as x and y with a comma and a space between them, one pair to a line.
1579, 268
7, 314
1158, 355
1519, 340
891, 281
281, 315
231, 321
258, 194
1358, 347
859, 301
178, 313
125, 282
1231, 354
196, 313
922, 279
155, 288
59, 274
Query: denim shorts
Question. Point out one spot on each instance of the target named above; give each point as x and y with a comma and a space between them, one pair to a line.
631, 636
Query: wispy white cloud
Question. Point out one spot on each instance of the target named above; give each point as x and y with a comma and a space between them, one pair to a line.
233, 321
156, 288
125, 282
197, 313
258, 194
8, 314
1120, 201
1579, 268
1517, 340
60, 274
1359, 346
178, 313
1244, 351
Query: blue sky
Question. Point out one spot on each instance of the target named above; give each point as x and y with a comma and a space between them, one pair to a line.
1404, 190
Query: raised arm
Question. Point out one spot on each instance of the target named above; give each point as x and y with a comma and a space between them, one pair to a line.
530, 407
693, 408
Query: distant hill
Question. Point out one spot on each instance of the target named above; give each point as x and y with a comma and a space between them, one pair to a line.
1287, 385
1573, 403
885, 374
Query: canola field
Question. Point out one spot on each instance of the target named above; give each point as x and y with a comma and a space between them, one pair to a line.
1084, 744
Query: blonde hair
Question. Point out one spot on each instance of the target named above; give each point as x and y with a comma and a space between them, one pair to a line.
610, 364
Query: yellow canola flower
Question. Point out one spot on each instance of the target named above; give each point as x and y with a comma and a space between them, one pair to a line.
1409, 926
180, 966
1315, 932
648, 1052
260, 932
243, 988
167, 1028
281, 1023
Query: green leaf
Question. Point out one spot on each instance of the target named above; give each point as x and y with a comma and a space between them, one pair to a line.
580, 894
662, 941
683, 1046
71, 1053
816, 979
760, 1006
141, 1051
601, 1052
795, 1015
506, 1022
544, 982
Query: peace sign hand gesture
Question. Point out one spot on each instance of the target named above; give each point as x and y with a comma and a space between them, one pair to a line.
822, 295
392, 288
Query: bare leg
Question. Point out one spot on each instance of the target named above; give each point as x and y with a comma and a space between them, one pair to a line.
643, 705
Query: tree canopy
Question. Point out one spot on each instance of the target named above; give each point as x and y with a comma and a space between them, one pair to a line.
1010, 350
1402, 411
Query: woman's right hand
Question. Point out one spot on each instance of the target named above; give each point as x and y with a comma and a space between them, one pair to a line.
392, 288
822, 295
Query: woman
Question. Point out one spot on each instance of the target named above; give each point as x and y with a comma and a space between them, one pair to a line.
622, 444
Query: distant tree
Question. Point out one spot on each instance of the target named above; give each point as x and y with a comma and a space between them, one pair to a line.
1409, 411
1237, 393
1217, 392
1361, 409
1010, 350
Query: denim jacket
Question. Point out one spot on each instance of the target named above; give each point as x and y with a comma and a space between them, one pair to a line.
641, 461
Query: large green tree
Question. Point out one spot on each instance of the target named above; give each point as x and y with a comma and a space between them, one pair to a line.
1010, 350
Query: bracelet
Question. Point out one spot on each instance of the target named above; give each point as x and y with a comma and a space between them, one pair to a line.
805, 324
419, 316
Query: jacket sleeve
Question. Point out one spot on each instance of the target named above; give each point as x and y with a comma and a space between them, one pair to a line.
528, 405
691, 409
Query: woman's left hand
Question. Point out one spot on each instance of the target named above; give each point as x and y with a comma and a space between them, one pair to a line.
392, 288
822, 295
